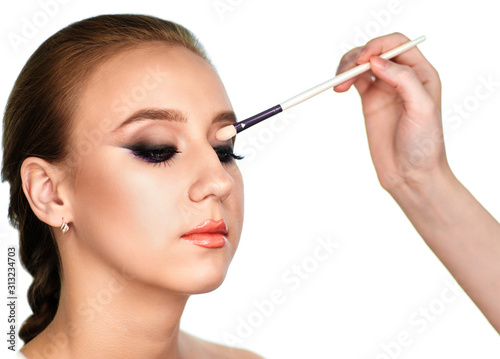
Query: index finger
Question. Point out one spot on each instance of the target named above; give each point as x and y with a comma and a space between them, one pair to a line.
413, 58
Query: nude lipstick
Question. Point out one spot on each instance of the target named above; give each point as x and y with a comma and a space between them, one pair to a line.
208, 234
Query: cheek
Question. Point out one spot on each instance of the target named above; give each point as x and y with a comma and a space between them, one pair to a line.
130, 215
235, 210
238, 183
133, 206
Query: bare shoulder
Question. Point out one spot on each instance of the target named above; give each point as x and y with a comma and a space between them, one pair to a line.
244, 354
239, 353
203, 348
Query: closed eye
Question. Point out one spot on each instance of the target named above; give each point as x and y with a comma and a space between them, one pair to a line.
155, 155
226, 154
165, 154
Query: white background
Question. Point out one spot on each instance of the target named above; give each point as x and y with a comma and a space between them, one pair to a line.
313, 178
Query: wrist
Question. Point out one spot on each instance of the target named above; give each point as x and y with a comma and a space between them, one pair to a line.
428, 193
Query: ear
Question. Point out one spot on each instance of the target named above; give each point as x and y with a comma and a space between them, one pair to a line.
44, 187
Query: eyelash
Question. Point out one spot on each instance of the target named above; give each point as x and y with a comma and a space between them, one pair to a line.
164, 155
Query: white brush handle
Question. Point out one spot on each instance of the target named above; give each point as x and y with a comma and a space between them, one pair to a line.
349, 74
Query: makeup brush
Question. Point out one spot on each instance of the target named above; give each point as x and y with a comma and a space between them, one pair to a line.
227, 132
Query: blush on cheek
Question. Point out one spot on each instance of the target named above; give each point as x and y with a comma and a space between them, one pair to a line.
125, 216
128, 201
233, 209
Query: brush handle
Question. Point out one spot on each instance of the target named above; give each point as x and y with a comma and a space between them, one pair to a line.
240, 126
337, 80
349, 74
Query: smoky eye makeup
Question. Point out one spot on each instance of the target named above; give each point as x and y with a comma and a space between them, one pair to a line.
165, 154
226, 154
154, 154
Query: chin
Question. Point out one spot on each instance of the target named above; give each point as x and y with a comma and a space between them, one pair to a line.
202, 279
207, 281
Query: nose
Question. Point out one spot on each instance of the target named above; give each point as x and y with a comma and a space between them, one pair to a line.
212, 180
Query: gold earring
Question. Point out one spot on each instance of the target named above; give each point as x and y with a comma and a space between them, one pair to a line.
64, 226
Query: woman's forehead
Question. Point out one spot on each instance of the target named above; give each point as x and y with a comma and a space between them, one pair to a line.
152, 77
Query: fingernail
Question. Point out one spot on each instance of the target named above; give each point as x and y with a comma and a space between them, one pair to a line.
379, 62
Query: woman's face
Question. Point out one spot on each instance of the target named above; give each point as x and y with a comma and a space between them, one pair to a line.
149, 170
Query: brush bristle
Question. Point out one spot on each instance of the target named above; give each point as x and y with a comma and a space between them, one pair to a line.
225, 133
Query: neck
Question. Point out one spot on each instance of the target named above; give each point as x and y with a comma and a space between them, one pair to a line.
112, 315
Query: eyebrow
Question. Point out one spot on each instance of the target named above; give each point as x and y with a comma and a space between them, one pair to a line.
171, 115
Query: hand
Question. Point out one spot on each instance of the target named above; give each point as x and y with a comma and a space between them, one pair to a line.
402, 109
401, 102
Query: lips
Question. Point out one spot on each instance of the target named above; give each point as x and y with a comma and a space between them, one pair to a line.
208, 234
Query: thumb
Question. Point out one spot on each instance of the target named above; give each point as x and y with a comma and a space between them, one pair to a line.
403, 79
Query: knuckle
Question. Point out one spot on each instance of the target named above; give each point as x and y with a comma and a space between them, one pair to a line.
348, 59
399, 35
407, 74
435, 74
351, 55
430, 75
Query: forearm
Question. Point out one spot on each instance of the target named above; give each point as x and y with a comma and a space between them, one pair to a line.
463, 235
